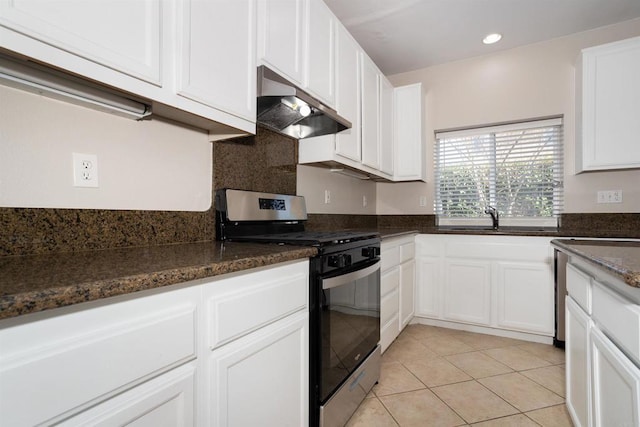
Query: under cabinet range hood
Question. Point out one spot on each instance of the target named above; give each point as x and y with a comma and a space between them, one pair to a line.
287, 109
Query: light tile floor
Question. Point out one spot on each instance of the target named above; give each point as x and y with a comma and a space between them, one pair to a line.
433, 376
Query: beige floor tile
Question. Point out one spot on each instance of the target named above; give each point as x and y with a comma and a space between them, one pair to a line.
553, 355
437, 371
478, 364
521, 392
445, 345
485, 342
516, 358
512, 421
551, 377
395, 378
371, 413
406, 349
554, 416
473, 402
421, 332
420, 408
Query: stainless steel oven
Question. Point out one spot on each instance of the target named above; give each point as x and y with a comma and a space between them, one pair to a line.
346, 314
344, 296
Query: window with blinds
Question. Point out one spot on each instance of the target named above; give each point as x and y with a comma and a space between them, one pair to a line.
516, 168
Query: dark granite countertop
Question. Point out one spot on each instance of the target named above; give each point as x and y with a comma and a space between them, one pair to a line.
35, 283
388, 233
620, 258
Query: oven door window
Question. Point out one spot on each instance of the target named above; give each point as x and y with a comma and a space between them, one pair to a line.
350, 323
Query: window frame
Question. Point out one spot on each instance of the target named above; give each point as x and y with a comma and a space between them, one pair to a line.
492, 129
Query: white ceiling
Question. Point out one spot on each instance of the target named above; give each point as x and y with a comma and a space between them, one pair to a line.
404, 35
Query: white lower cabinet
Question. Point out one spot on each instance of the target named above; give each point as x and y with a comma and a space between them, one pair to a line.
603, 374
165, 401
616, 384
257, 349
231, 351
578, 367
491, 282
262, 378
397, 287
468, 291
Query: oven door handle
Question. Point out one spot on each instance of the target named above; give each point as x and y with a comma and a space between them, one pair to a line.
350, 277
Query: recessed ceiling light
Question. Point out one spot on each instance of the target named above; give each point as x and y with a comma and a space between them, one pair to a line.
492, 38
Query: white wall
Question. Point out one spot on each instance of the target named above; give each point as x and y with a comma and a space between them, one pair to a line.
148, 165
527, 82
346, 192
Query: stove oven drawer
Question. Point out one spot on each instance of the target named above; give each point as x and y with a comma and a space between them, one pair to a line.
239, 305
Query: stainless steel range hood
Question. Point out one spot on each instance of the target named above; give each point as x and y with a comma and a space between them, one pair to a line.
287, 109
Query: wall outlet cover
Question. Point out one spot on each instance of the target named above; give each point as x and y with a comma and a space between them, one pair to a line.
85, 170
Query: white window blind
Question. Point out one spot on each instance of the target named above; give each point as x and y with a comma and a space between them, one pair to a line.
516, 168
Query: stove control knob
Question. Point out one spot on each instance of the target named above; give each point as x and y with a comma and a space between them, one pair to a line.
370, 252
340, 261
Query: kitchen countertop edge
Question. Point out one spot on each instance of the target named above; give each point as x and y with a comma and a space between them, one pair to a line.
628, 274
65, 291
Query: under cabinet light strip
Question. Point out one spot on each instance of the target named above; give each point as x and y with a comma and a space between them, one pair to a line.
350, 173
53, 84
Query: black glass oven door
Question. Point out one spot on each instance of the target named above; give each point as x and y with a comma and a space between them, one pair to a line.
350, 323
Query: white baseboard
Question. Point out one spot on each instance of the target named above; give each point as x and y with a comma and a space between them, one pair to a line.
543, 339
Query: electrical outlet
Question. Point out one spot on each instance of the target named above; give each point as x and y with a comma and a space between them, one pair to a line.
610, 196
364, 201
423, 201
327, 197
85, 170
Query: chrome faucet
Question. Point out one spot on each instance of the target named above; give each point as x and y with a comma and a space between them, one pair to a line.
495, 216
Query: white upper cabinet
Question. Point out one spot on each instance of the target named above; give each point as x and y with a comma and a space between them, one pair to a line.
408, 138
205, 74
96, 35
370, 113
281, 37
321, 51
347, 142
386, 126
297, 39
175, 55
608, 107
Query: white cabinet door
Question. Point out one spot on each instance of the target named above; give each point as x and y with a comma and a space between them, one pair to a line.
262, 379
578, 326
408, 139
525, 297
75, 35
216, 69
428, 295
468, 291
386, 126
82, 356
407, 292
389, 306
165, 401
321, 51
610, 90
616, 384
281, 37
370, 113
348, 94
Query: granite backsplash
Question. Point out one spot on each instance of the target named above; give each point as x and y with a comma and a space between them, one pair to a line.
265, 162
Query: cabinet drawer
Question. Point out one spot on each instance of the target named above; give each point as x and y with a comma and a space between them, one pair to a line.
389, 257
389, 281
619, 318
579, 287
407, 252
239, 305
63, 364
